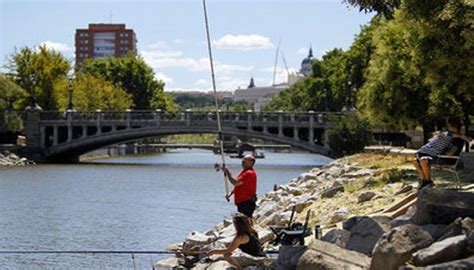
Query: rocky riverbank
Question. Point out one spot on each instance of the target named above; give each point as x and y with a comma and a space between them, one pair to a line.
370, 218
10, 159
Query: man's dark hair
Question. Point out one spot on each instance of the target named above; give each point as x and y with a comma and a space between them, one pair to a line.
455, 122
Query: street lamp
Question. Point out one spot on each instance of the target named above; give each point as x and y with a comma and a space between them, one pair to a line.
33, 106
70, 106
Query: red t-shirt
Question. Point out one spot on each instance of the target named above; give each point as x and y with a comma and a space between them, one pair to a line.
248, 189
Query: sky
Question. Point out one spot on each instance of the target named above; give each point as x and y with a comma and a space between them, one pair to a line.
172, 40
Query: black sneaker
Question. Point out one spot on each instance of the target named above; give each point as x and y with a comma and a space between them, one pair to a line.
426, 183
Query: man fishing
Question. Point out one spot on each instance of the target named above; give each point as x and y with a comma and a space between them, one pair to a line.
245, 186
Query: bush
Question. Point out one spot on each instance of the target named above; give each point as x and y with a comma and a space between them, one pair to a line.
348, 135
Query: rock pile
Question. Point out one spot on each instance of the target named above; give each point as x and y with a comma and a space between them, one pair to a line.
10, 159
428, 235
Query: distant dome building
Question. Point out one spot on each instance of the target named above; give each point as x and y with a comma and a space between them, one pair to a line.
306, 64
251, 84
257, 96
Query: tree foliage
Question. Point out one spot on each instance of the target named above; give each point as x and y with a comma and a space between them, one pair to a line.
39, 72
90, 93
349, 134
136, 77
382, 7
395, 92
335, 80
11, 97
421, 71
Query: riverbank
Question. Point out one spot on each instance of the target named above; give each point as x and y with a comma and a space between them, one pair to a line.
11, 159
355, 190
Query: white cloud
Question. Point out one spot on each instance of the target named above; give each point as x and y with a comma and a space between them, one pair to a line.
60, 47
192, 64
243, 42
201, 82
163, 77
231, 83
159, 45
320, 52
157, 54
226, 69
302, 51
170, 59
178, 41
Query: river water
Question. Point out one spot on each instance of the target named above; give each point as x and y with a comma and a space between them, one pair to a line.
123, 203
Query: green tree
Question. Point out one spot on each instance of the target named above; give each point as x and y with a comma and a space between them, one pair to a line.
382, 7
395, 92
349, 134
238, 106
422, 70
136, 77
39, 72
335, 80
91, 93
445, 50
11, 98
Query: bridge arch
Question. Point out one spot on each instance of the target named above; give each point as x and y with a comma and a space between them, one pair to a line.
64, 138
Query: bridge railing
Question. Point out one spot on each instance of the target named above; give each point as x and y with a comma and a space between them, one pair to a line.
138, 115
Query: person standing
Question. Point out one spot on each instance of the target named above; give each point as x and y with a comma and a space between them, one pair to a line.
245, 186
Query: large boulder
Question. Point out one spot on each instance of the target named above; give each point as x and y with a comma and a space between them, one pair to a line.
458, 227
306, 177
288, 257
301, 202
168, 264
365, 196
331, 192
365, 232
337, 236
449, 249
266, 209
321, 255
198, 239
464, 264
339, 215
435, 230
396, 247
441, 206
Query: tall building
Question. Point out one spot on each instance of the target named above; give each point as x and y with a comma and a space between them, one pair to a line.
104, 41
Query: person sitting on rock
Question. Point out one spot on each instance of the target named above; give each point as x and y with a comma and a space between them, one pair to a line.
447, 143
245, 186
246, 239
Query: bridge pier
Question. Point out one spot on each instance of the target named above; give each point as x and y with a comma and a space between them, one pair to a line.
69, 126
295, 134
157, 117
280, 124
55, 135
99, 121
311, 128
249, 120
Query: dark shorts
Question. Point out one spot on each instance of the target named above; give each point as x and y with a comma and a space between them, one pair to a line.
421, 156
247, 207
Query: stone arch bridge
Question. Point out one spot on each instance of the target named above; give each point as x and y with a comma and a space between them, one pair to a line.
64, 136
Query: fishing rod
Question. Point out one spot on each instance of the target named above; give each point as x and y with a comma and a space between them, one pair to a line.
186, 252
218, 118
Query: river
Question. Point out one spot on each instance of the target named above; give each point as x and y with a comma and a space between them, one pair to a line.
123, 203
